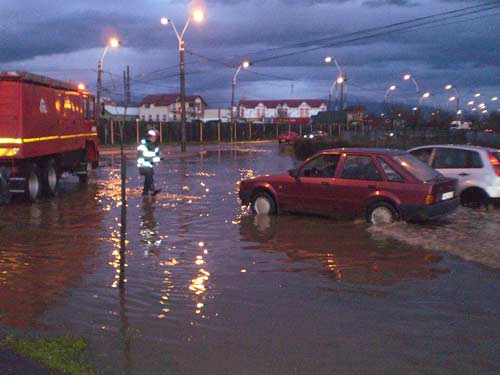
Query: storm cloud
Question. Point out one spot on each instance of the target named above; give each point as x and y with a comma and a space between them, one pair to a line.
287, 40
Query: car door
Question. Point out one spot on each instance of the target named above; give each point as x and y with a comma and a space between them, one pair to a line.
316, 179
464, 165
359, 177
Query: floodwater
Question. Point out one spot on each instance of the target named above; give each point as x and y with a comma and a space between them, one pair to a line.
211, 289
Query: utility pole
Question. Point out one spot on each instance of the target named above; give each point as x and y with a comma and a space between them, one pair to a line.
183, 98
99, 88
123, 170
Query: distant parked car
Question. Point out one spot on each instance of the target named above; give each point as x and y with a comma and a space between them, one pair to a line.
288, 137
380, 184
476, 168
316, 134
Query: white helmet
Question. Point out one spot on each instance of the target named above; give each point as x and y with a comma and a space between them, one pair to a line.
153, 133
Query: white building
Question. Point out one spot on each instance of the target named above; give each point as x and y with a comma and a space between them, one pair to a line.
222, 115
300, 110
167, 107
117, 112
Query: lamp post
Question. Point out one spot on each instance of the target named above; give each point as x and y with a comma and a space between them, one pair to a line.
407, 77
197, 16
457, 99
389, 89
340, 80
424, 96
113, 43
245, 65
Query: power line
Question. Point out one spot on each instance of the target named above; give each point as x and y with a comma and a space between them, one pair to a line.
380, 32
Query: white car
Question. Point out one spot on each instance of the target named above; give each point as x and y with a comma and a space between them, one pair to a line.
476, 168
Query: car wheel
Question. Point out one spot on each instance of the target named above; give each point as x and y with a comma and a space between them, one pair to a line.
474, 198
263, 204
382, 213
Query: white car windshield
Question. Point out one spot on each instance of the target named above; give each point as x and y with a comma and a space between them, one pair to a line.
417, 168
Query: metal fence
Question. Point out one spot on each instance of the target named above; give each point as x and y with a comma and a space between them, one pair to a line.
197, 131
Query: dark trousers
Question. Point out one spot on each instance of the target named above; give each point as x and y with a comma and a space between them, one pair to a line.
149, 184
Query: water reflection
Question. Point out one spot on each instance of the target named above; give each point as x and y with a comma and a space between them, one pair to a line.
44, 249
149, 229
341, 251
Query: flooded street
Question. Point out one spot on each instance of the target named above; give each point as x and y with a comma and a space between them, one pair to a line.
211, 289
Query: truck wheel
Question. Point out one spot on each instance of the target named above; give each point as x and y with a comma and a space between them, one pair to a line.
5, 194
33, 183
50, 178
83, 176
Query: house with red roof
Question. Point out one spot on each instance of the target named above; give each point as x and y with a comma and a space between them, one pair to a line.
297, 111
167, 107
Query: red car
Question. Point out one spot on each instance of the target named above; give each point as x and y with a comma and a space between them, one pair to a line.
380, 184
288, 137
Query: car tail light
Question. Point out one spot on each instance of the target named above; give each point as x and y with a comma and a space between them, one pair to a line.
430, 199
495, 163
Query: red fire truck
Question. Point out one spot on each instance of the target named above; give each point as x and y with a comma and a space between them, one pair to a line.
47, 127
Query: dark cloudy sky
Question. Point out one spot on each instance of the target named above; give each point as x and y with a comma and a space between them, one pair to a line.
64, 39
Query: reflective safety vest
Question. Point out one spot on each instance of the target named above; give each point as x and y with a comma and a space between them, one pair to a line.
148, 154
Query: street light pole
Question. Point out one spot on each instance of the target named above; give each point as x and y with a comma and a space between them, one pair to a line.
198, 16
245, 64
407, 77
391, 88
339, 80
457, 98
113, 43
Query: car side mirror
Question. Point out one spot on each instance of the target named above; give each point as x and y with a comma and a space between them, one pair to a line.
293, 173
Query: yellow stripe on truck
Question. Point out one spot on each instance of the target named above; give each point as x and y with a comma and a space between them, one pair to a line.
16, 141
19, 141
29, 140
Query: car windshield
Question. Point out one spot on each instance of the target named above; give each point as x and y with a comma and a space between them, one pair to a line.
417, 168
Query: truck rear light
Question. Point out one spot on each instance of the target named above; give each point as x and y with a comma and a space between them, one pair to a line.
430, 199
495, 163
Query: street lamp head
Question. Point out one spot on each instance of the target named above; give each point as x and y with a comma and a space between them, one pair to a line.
426, 95
340, 80
471, 102
392, 88
114, 43
474, 109
415, 109
198, 15
406, 77
328, 59
477, 95
459, 112
494, 99
246, 64
448, 87
164, 21
452, 99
